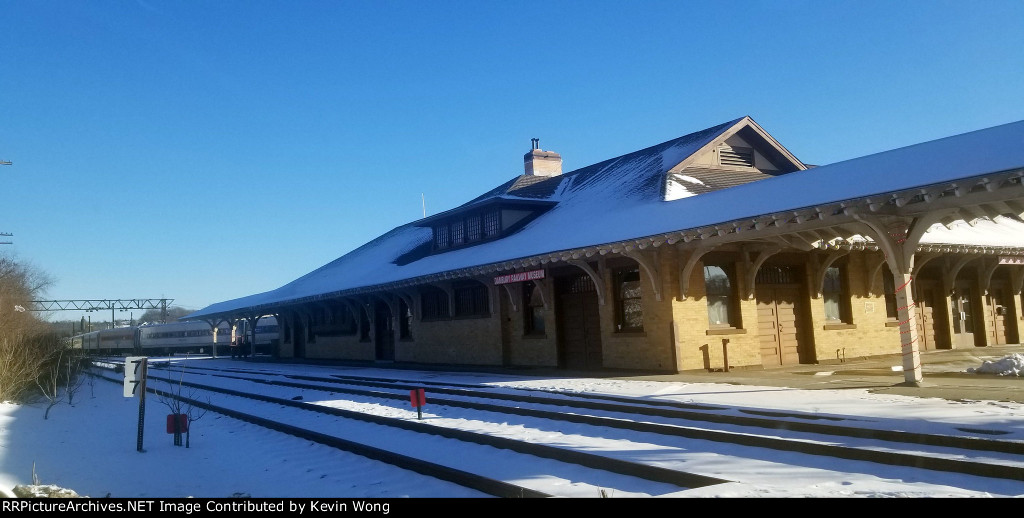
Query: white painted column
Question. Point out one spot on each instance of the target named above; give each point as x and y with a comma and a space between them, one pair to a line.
898, 238
907, 314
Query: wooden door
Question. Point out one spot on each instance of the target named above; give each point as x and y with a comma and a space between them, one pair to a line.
1000, 312
579, 328
931, 324
778, 324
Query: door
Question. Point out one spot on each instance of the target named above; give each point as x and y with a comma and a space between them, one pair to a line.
579, 323
931, 325
778, 324
962, 313
1001, 314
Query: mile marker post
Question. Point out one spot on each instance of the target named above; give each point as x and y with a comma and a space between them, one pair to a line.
142, 405
135, 383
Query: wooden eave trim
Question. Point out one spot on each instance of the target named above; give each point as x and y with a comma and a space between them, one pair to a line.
650, 266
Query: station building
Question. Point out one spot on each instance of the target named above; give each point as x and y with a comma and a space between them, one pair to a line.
715, 250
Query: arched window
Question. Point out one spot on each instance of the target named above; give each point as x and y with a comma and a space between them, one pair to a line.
533, 309
721, 294
364, 324
404, 320
837, 300
629, 314
889, 287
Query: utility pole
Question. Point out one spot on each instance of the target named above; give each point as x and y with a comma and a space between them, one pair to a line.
3, 234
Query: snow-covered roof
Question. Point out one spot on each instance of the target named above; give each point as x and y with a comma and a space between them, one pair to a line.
621, 199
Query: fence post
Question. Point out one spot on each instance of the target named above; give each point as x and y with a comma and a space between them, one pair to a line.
725, 353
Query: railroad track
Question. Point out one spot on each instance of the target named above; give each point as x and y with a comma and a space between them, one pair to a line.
672, 426
570, 461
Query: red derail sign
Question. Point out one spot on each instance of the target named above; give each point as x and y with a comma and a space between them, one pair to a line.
182, 420
418, 398
519, 277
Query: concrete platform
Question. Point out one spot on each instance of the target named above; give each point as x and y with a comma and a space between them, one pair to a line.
945, 375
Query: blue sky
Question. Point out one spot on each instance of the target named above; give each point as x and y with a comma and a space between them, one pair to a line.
203, 151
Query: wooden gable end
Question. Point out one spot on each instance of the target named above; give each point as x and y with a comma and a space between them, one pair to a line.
741, 154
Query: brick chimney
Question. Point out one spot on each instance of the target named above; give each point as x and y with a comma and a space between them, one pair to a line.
541, 163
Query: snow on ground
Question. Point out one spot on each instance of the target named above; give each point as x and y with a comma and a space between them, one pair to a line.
91, 447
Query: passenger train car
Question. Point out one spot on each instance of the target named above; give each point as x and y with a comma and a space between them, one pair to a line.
183, 337
106, 341
176, 337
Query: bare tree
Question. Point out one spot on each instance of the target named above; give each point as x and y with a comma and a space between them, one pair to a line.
74, 370
181, 405
60, 379
22, 360
26, 343
20, 283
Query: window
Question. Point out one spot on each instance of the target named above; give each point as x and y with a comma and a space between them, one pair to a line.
889, 287
471, 300
347, 321
458, 234
404, 320
364, 325
769, 274
491, 223
473, 228
469, 228
628, 304
837, 304
434, 304
721, 295
533, 309
441, 237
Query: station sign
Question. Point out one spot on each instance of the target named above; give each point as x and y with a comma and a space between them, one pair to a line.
519, 277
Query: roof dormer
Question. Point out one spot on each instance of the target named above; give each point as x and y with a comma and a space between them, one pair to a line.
740, 154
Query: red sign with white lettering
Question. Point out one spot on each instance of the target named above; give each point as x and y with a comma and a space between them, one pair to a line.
519, 277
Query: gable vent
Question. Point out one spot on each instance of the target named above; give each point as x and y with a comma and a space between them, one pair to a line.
743, 157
